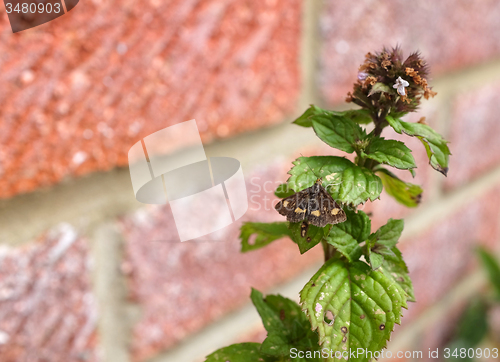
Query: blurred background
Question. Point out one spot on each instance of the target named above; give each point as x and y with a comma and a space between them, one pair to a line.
81, 275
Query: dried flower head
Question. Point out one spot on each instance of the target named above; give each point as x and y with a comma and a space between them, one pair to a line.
387, 82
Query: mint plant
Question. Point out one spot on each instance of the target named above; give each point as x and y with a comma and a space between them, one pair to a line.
349, 308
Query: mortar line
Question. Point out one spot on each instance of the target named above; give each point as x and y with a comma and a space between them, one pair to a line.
450, 202
466, 79
310, 48
102, 196
110, 290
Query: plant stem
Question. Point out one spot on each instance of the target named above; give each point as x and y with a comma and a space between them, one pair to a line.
329, 250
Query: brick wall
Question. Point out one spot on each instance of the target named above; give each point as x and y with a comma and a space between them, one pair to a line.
81, 278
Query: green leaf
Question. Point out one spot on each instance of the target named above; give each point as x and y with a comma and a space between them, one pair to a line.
379, 244
389, 233
395, 123
405, 193
473, 325
344, 243
305, 120
283, 191
491, 267
383, 250
346, 236
270, 315
279, 350
360, 116
358, 225
390, 152
359, 184
352, 307
377, 254
307, 170
376, 260
378, 88
312, 238
241, 352
395, 267
472, 329
345, 181
285, 323
435, 145
266, 234
338, 131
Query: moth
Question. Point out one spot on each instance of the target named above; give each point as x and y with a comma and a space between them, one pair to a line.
313, 205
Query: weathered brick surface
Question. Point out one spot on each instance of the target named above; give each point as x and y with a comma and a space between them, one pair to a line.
440, 258
450, 34
78, 91
47, 311
474, 134
182, 287
442, 255
211, 278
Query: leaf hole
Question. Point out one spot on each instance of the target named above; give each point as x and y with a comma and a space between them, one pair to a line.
252, 239
328, 317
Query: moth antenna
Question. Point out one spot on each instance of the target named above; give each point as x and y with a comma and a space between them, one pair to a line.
312, 170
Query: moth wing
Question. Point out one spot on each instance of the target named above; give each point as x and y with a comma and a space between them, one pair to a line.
294, 207
325, 210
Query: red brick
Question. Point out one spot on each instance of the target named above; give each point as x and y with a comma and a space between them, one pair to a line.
444, 254
182, 287
474, 135
48, 312
78, 91
450, 34
440, 258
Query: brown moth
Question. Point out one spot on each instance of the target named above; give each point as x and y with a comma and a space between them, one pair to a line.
313, 205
